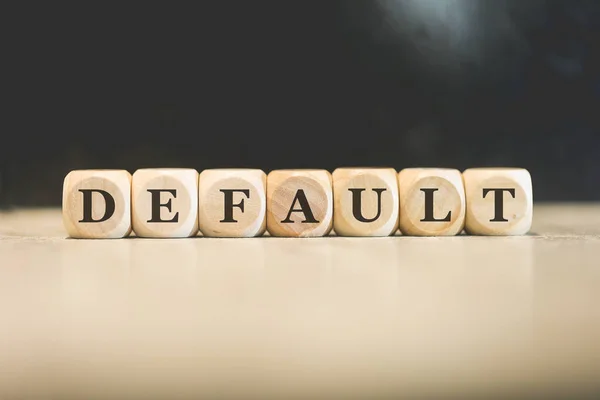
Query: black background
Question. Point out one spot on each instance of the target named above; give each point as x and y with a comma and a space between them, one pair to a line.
301, 84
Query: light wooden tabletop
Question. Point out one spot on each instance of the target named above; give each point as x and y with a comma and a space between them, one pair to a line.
307, 318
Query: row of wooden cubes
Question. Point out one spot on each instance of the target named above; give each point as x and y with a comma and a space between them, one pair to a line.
179, 202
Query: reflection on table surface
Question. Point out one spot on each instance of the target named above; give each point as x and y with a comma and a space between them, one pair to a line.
304, 317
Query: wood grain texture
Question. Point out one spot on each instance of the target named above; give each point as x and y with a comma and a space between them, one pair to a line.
116, 184
432, 202
482, 217
177, 202
287, 190
366, 201
244, 212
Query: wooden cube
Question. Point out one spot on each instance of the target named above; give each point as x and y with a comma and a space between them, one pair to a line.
232, 202
365, 201
165, 202
499, 201
432, 202
299, 203
96, 204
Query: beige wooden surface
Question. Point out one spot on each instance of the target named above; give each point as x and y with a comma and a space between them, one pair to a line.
283, 318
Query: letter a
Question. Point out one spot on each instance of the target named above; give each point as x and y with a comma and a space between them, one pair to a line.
309, 218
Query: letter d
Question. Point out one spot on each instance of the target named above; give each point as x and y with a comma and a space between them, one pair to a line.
87, 205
